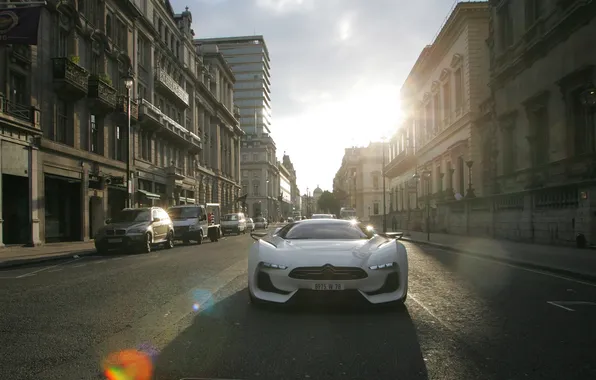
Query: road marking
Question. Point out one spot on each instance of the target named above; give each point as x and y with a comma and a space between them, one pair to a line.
100, 262
494, 260
43, 269
445, 324
79, 265
562, 304
55, 270
117, 258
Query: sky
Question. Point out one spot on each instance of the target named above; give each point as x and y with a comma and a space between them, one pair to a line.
336, 68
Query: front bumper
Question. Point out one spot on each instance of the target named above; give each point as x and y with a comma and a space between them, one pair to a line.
184, 233
380, 286
119, 242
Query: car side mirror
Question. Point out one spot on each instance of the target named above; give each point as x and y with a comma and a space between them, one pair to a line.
276, 230
155, 220
108, 220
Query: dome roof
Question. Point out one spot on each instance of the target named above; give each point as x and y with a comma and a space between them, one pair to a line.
317, 190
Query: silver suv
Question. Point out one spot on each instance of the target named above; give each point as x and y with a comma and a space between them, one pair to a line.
136, 228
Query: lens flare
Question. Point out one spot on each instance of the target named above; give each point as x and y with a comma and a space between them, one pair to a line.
128, 365
202, 300
196, 307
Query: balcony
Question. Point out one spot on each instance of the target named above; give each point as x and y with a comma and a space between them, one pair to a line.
19, 115
102, 96
175, 172
122, 107
149, 115
70, 79
401, 163
177, 93
195, 143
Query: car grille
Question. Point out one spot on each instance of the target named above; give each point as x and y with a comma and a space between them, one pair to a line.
181, 230
328, 272
115, 232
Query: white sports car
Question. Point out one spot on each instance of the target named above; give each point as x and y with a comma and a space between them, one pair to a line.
327, 257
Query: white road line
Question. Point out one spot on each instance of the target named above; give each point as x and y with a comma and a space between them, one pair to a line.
43, 269
561, 306
494, 260
100, 262
445, 324
55, 270
79, 265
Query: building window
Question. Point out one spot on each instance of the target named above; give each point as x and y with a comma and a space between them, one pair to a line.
505, 18
62, 43
62, 121
508, 148
94, 134
376, 181
584, 125
119, 144
533, 11
376, 208
255, 189
18, 89
255, 157
446, 102
436, 113
459, 89
540, 133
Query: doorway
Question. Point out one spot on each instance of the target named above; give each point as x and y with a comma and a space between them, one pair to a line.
15, 209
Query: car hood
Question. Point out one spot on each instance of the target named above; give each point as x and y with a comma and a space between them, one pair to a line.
324, 245
125, 225
185, 222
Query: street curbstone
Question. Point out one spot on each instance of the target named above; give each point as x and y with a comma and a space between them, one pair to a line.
43, 259
506, 260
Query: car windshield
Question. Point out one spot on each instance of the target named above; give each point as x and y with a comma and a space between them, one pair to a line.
230, 217
325, 231
177, 213
132, 216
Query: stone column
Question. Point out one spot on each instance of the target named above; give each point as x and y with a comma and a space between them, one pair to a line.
33, 197
85, 203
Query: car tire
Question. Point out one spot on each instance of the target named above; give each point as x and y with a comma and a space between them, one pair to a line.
200, 238
169, 244
146, 248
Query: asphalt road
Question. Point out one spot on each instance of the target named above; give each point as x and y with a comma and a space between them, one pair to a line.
465, 318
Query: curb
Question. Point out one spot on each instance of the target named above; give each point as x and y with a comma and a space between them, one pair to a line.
520, 263
61, 256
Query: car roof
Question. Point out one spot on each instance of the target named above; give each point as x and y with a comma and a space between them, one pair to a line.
325, 221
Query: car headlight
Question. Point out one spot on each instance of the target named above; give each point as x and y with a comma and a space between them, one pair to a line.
137, 230
274, 266
382, 266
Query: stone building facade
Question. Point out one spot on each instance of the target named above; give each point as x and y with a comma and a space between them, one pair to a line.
433, 152
184, 145
360, 178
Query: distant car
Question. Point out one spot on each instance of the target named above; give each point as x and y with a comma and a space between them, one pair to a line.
322, 216
290, 220
137, 229
261, 223
250, 224
324, 257
233, 223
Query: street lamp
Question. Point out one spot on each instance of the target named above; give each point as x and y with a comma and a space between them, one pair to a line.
383, 174
128, 82
427, 175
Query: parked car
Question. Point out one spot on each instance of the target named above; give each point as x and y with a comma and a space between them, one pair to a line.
250, 224
190, 222
136, 229
261, 223
233, 223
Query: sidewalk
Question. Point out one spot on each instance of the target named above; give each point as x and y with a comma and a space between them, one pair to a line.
569, 261
18, 255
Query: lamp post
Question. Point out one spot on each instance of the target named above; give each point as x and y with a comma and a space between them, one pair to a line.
427, 175
128, 82
384, 193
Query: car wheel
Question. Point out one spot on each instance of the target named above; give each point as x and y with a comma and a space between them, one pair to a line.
200, 238
170, 240
146, 248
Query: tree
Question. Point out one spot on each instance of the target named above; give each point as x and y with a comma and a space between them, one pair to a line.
328, 203
342, 197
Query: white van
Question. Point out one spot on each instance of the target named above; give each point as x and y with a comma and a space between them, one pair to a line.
233, 223
190, 222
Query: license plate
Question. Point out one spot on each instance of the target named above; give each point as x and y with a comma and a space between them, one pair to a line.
328, 287
114, 240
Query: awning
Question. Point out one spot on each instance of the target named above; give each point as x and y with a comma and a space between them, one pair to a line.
149, 195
